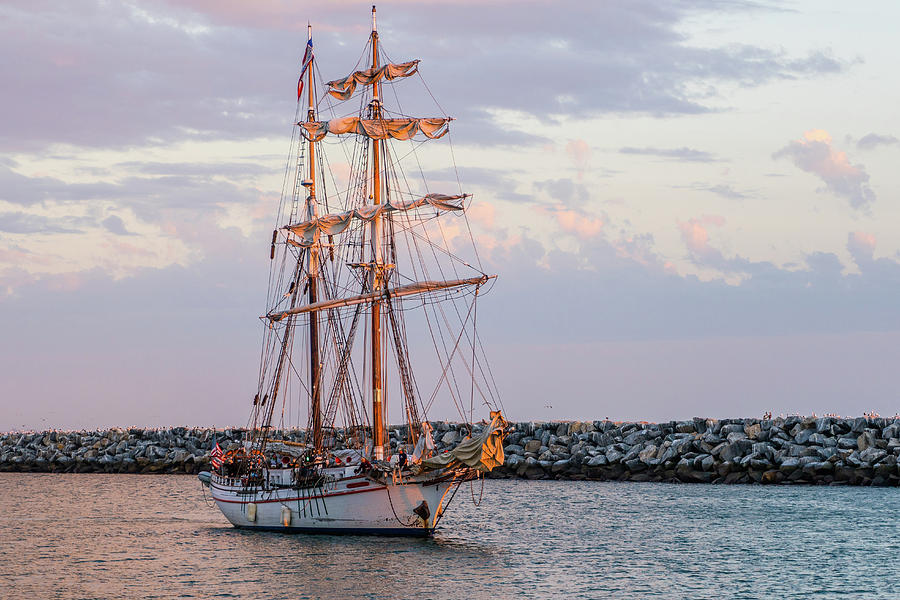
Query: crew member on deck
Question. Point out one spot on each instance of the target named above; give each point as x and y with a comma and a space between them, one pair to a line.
402, 457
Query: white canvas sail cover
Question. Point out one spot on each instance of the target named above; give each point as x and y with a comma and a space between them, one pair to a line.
308, 231
377, 129
482, 451
342, 89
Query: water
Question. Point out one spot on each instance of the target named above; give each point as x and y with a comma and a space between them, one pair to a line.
152, 536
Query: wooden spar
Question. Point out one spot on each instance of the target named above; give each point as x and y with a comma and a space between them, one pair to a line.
420, 287
312, 212
376, 273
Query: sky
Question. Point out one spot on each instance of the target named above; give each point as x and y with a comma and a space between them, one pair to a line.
692, 205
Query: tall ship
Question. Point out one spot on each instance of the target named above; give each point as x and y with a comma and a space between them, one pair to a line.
371, 319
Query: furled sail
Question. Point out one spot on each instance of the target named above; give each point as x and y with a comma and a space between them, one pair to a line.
337, 223
377, 129
420, 287
482, 451
342, 89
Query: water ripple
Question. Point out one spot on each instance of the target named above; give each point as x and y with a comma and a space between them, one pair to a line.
130, 536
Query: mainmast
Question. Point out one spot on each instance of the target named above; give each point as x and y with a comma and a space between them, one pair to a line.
313, 273
377, 270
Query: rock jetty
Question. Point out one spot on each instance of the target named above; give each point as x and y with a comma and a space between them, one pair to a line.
836, 451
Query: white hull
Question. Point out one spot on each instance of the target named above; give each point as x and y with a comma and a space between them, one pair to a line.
346, 503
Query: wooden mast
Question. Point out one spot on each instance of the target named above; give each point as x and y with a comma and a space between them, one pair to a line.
376, 273
312, 213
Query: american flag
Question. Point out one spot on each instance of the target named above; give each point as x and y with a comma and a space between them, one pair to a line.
215, 456
307, 58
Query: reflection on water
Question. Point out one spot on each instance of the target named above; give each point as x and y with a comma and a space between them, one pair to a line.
152, 536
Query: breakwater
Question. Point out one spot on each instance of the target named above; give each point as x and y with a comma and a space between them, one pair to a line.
856, 451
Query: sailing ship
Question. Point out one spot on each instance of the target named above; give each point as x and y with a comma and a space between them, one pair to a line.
364, 252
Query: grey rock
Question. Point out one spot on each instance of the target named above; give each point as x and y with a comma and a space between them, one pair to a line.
753, 431
865, 440
559, 449
803, 436
685, 427
648, 453
614, 456
513, 461
514, 449
731, 428
635, 437
559, 466
598, 461
789, 465
872, 455
817, 439
533, 445
635, 465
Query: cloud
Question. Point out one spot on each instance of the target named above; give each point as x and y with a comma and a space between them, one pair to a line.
649, 301
562, 191
679, 154
148, 196
114, 224
815, 154
723, 190
861, 246
20, 222
726, 191
695, 235
156, 72
579, 223
873, 140
580, 153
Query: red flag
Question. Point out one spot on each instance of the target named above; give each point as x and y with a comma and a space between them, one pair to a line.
307, 59
215, 456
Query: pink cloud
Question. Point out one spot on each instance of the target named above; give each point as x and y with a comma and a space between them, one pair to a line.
695, 234
482, 213
815, 154
578, 223
861, 246
580, 154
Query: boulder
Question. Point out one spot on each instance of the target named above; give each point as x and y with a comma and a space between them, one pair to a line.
803, 436
731, 428
753, 431
789, 465
865, 440
514, 449
685, 427
598, 461
772, 476
614, 456
647, 453
559, 466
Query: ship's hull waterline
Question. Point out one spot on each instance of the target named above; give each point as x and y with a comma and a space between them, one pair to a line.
354, 505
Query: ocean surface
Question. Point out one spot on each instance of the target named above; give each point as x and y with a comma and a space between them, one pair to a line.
154, 536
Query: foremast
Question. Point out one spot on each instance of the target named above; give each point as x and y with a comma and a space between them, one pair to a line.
315, 371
